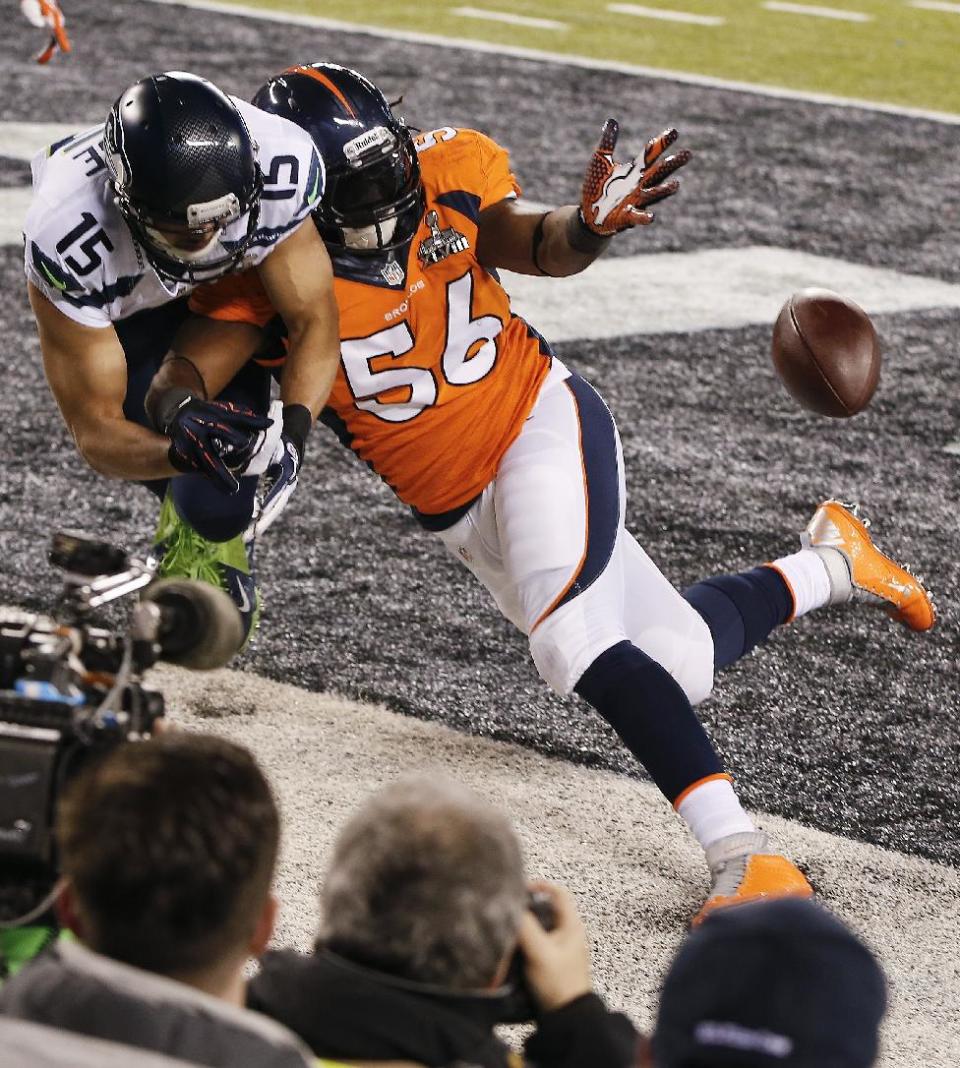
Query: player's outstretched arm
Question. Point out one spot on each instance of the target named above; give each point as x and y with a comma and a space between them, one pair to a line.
87, 373
515, 237
615, 197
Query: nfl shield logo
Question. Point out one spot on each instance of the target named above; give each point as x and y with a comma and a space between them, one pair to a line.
392, 273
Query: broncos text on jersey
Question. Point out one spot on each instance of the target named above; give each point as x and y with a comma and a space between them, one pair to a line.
80, 254
437, 375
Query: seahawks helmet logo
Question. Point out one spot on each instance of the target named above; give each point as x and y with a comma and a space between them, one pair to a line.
113, 152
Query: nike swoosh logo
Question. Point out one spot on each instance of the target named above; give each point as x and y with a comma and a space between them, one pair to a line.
312, 195
53, 281
243, 599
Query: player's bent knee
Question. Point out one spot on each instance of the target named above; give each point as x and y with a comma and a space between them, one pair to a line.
212, 514
695, 673
678, 639
569, 641
687, 654
562, 650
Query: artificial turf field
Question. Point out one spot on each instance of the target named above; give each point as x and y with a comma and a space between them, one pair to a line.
843, 722
893, 51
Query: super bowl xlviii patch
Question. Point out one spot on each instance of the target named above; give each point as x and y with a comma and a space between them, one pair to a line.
440, 243
392, 273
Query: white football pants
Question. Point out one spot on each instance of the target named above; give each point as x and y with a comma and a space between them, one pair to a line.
547, 539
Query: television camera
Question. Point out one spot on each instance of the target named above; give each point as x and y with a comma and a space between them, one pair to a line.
71, 690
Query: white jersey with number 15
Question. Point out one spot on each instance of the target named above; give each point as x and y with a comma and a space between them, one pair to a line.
80, 253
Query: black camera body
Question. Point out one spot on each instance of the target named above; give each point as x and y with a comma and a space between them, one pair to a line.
51, 720
519, 1005
71, 690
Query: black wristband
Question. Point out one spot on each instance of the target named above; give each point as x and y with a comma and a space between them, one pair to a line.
536, 242
297, 422
163, 404
582, 239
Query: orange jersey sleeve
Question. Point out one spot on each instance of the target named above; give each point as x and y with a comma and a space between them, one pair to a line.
238, 298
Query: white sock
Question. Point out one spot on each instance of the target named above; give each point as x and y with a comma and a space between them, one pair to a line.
809, 581
712, 811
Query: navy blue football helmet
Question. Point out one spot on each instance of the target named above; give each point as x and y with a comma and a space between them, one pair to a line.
373, 200
183, 167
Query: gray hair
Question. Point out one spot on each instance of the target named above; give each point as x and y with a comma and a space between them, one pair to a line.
426, 882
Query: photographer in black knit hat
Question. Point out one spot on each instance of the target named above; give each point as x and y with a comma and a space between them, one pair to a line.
776, 984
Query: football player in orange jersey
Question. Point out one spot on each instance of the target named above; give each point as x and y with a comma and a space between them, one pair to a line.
513, 459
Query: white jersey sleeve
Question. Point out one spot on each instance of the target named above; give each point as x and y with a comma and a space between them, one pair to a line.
293, 178
81, 255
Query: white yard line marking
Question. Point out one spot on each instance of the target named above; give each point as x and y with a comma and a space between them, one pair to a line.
582, 62
13, 210
936, 5
817, 12
665, 16
512, 20
23, 140
714, 289
614, 841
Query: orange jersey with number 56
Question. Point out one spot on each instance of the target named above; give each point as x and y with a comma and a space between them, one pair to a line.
436, 374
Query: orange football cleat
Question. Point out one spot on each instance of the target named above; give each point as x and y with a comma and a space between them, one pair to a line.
860, 572
743, 871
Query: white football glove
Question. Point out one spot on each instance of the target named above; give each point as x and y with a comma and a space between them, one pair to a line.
280, 482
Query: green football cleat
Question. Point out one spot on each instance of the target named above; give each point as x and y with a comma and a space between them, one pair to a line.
228, 565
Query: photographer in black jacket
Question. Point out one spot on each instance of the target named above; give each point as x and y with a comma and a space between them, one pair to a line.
425, 908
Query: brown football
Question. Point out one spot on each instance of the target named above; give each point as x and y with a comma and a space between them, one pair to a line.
826, 351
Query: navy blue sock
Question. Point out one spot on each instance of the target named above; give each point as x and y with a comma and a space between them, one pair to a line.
647, 707
741, 610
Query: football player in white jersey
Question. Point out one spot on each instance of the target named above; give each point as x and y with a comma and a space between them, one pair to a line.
182, 185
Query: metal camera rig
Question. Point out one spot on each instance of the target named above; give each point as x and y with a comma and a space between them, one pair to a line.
70, 690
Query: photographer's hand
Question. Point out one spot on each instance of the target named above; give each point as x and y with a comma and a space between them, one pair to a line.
557, 962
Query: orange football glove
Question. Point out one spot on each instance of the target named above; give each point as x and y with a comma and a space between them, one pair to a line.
616, 196
46, 14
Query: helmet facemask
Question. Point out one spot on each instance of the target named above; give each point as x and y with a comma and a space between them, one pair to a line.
174, 243
373, 201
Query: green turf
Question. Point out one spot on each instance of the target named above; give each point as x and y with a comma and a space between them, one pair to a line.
904, 56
